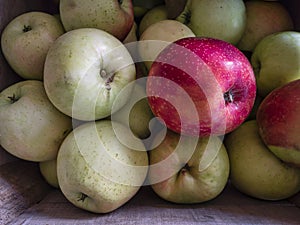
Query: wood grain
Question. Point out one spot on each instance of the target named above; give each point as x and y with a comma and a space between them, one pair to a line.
21, 186
231, 207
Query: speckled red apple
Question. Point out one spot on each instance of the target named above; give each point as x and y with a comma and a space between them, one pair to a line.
201, 86
278, 118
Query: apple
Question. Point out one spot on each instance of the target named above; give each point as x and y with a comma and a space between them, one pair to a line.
31, 127
263, 18
223, 19
141, 7
26, 40
48, 170
136, 114
252, 115
152, 16
255, 170
158, 35
96, 172
139, 11
201, 86
115, 17
85, 69
275, 61
175, 170
278, 118
132, 35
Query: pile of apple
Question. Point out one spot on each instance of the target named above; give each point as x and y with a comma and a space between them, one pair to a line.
180, 95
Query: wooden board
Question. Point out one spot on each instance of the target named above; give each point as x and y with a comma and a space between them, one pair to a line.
21, 186
231, 207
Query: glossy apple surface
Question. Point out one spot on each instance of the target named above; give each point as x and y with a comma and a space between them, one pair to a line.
201, 86
115, 17
278, 119
255, 170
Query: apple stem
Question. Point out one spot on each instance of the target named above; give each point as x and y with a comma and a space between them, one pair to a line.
82, 197
228, 97
27, 28
185, 17
184, 169
120, 2
108, 78
13, 98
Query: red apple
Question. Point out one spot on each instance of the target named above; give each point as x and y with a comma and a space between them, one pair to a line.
278, 119
201, 86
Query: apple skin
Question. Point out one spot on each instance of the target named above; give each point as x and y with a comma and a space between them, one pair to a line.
158, 35
276, 61
115, 17
136, 114
48, 169
96, 172
196, 79
175, 174
255, 170
85, 69
26, 40
263, 19
278, 118
222, 19
154, 15
132, 35
31, 127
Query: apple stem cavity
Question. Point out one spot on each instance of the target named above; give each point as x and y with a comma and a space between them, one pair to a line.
27, 28
82, 197
184, 169
13, 98
186, 17
228, 97
120, 2
109, 79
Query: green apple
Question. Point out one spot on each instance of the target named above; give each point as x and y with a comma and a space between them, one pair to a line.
152, 16
136, 114
48, 170
26, 40
96, 172
132, 35
263, 18
176, 173
158, 35
85, 69
115, 17
255, 170
221, 19
31, 127
141, 7
139, 12
276, 61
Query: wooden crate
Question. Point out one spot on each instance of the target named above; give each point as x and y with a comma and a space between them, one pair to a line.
25, 198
